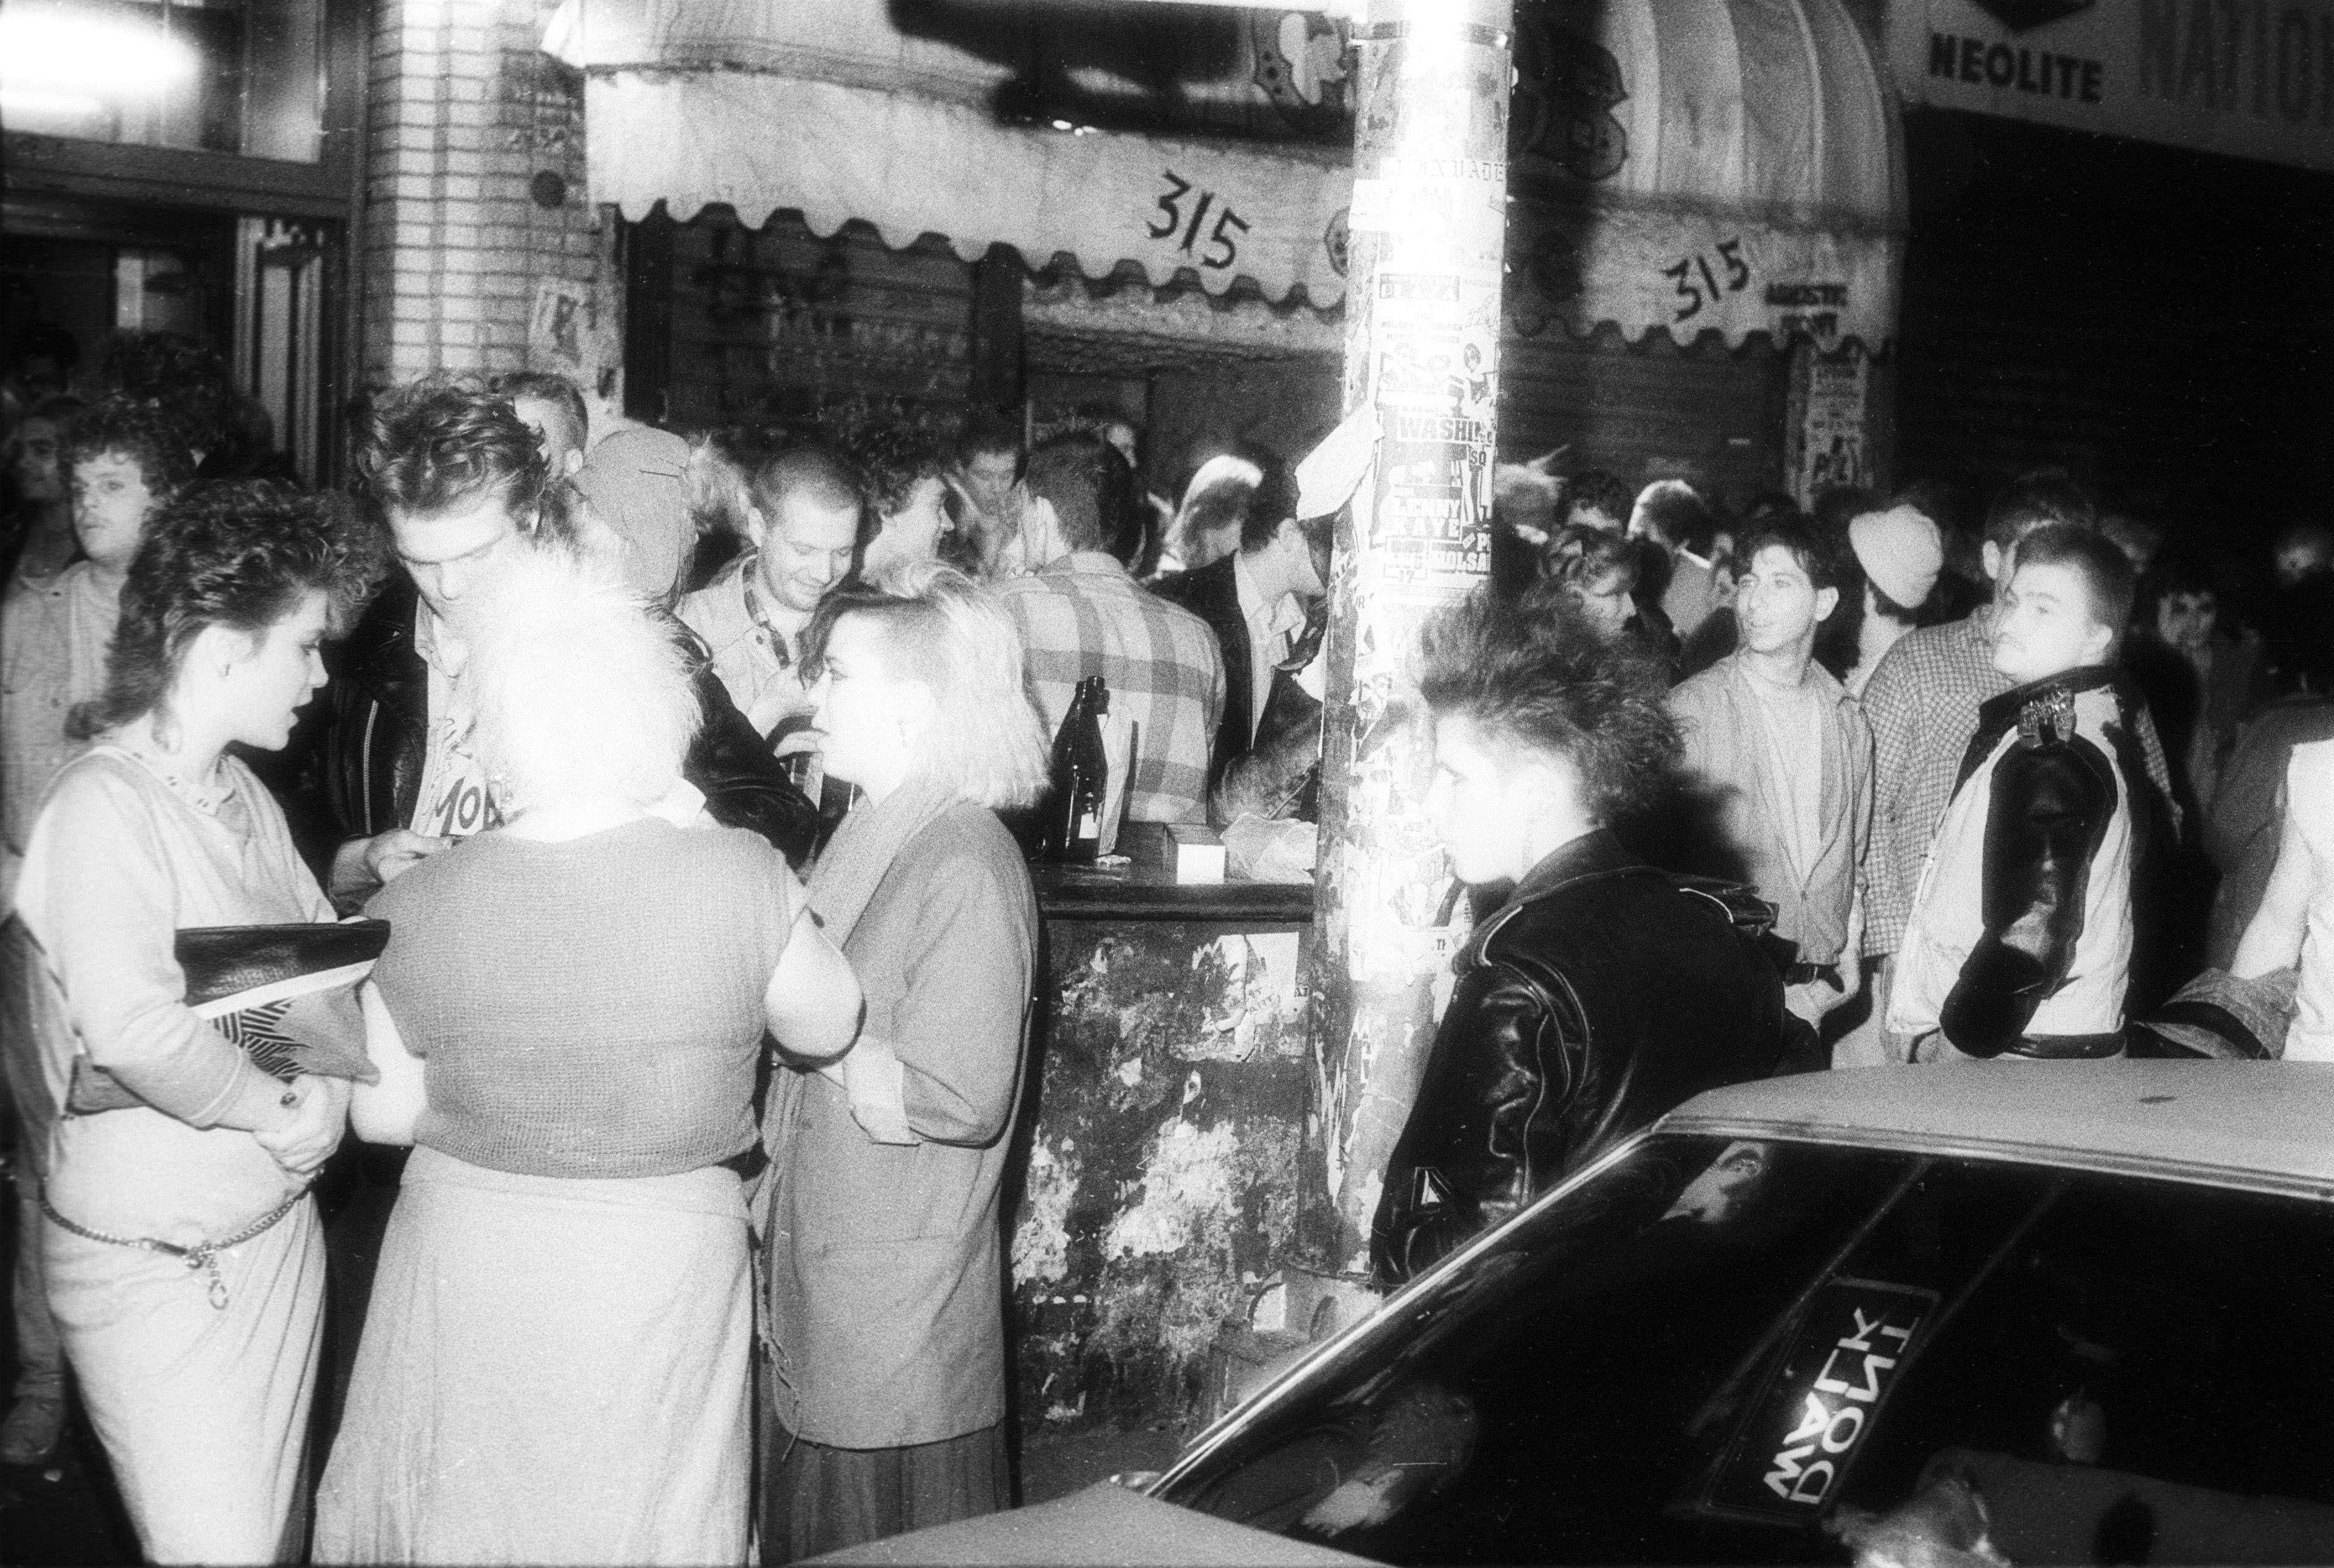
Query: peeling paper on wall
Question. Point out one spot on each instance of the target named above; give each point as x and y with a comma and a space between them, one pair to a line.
1261, 995
1187, 1180
1041, 1242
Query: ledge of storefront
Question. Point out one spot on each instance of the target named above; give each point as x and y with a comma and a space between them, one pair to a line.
1132, 892
178, 175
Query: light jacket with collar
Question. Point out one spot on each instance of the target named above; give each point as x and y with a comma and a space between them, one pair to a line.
53, 635
1720, 719
749, 653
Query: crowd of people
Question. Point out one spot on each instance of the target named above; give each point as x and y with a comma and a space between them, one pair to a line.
650, 750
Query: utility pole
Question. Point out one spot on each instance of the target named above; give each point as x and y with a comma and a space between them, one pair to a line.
1422, 353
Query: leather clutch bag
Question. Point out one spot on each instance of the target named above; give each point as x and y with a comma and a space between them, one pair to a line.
284, 994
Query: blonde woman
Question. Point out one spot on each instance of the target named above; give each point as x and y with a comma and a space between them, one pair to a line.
883, 1232
568, 1022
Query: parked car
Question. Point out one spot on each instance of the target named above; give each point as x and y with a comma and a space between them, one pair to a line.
2095, 1295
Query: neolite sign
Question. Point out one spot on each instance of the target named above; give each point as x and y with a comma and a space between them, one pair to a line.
2248, 78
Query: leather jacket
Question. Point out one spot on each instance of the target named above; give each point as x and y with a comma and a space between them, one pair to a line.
1603, 994
2052, 797
374, 739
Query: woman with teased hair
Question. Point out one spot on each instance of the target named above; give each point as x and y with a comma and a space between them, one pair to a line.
1596, 569
884, 1232
184, 1259
568, 1022
1602, 991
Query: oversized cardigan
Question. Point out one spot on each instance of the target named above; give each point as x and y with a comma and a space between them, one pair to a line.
885, 1263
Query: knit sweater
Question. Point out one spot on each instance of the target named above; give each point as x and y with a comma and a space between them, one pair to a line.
590, 1008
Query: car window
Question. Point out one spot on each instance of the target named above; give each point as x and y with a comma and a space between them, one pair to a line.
1730, 1352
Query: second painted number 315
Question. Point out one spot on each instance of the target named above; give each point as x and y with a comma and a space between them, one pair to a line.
1220, 250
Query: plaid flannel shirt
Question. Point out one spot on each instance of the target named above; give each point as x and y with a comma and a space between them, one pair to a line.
1082, 615
1921, 704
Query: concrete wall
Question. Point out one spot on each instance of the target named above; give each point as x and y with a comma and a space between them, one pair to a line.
475, 203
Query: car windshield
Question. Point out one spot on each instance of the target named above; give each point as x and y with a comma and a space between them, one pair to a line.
1724, 1351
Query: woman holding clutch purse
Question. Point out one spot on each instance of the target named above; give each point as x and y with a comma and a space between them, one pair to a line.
185, 1264
883, 1231
568, 1022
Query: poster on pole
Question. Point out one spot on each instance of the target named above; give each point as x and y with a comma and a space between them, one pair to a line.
1830, 441
1434, 367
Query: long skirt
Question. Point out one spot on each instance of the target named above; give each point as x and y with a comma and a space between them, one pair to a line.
203, 1409
821, 1499
552, 1371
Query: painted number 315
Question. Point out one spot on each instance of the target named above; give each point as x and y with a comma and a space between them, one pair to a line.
1220, 249
1730, 258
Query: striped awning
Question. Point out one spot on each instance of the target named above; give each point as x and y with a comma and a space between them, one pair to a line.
1685, 164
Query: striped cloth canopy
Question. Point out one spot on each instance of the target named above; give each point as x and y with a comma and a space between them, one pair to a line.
1685, 164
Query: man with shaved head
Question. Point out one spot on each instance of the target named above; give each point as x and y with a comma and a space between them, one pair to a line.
804, 519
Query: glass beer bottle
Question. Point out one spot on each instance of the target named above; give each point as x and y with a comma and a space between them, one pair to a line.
1080, 776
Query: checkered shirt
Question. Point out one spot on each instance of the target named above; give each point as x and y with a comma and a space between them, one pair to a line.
1921, 704
1082, 615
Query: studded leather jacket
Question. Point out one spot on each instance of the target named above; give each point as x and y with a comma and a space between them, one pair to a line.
2052, 800
1604, 993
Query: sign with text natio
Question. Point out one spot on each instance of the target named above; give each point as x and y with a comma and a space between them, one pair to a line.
1793, 1445
2247, 78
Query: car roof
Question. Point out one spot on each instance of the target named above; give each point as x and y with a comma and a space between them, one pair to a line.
2265, 1126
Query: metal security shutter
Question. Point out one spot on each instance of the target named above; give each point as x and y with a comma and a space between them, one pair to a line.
1997, 379
1705, 413
728, 323
2154, 319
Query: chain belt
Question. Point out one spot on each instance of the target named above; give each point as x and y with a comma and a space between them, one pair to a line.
202, 1257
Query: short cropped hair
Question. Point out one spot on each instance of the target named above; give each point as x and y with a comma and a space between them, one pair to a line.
2034, 500
1677, 514
441, 443
579, 690
2106, 571
1090, 485
987, 430
545, 387
239, 554
140, 428
1545, 678
1601, 491
894, 457
948, 633
814, 466
1818, 550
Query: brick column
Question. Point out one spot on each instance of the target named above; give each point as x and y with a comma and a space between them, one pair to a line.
475, 194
